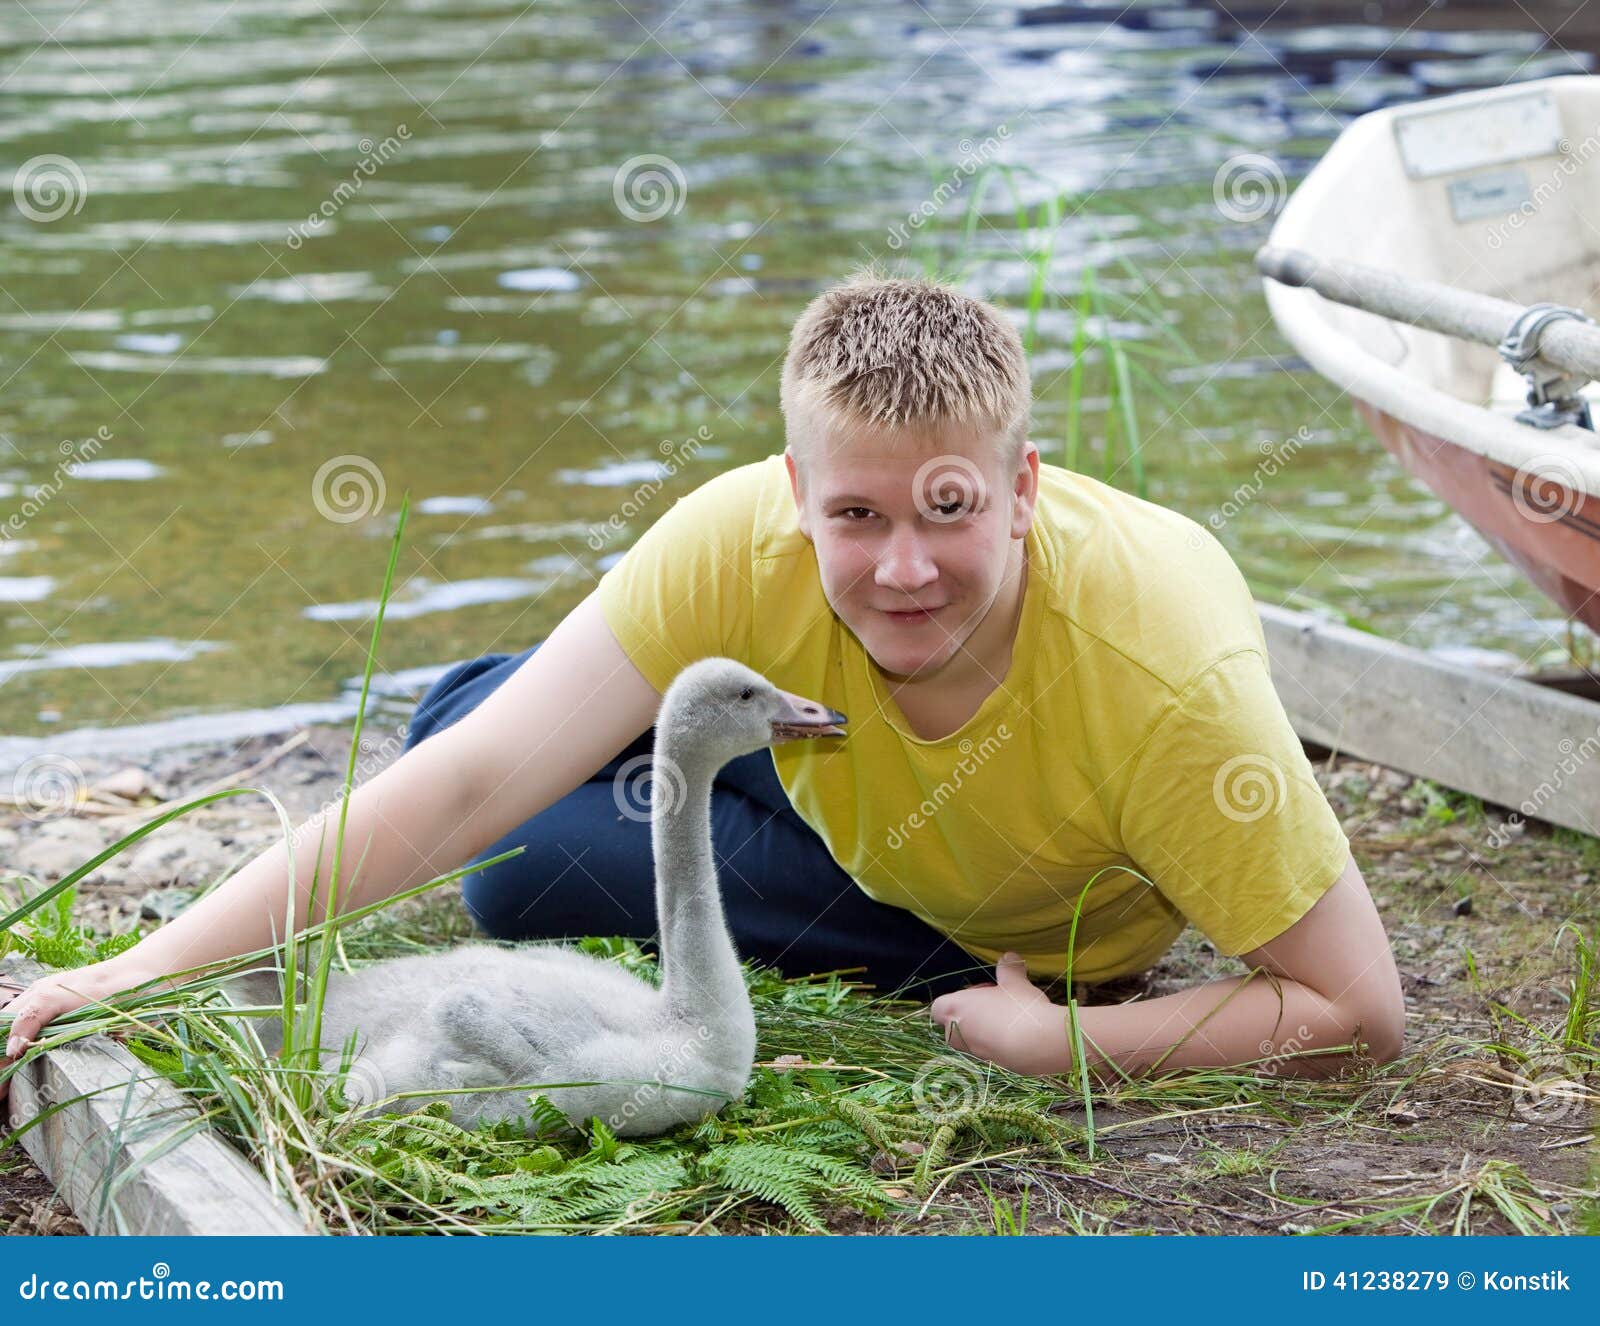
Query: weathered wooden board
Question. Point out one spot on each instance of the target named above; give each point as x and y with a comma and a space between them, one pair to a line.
1535, 749
134, 1157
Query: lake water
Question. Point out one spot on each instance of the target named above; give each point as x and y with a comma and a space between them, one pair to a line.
267, 266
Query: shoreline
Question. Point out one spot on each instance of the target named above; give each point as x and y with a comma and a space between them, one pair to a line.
303, 765
1440, 882
136, 742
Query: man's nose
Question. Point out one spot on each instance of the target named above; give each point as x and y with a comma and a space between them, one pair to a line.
905, 564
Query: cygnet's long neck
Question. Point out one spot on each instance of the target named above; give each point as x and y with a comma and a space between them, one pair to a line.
700, 966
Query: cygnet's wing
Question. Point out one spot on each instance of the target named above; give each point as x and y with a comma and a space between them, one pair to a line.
544, 990
563, 999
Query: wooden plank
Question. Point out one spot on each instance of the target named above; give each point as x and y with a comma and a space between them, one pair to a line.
135, 1157
1533, 748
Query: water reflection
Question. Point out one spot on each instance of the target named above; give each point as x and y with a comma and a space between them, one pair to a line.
441, 239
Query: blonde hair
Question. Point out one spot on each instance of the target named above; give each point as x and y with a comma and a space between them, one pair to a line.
887, 353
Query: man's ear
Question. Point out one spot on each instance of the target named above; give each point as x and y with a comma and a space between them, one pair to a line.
792, 465
1025, 490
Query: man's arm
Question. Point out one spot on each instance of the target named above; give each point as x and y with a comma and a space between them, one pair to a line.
560, 716
1326, 981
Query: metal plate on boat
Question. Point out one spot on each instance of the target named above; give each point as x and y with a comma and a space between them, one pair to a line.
1484, 133
1491, 193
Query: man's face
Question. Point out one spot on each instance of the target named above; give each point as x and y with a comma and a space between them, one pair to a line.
913, 533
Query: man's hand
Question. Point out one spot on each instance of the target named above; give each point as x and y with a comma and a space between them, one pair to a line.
29, 1012
1325, 983
1011, 1022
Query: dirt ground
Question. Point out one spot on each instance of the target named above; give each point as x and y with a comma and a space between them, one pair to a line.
1441, 1120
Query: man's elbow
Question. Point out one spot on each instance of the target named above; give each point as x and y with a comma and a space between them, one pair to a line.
1378, 1029
1387, 1041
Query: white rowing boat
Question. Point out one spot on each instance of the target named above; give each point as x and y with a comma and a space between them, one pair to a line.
1429, 229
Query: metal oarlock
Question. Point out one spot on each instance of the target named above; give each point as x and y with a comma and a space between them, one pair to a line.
1553, 392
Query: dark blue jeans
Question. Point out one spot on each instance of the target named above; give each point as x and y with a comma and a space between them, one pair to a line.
586, 868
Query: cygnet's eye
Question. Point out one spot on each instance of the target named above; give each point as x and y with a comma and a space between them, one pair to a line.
747, 692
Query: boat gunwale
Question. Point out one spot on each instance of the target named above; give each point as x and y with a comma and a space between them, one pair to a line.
1342, 360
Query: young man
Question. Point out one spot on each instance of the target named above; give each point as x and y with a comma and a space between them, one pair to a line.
1060, 716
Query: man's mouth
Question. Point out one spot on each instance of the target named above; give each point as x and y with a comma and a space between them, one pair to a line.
915, 615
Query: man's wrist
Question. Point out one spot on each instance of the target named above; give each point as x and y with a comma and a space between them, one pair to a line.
1046, 1048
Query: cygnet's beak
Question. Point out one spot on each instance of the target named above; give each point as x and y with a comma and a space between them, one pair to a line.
806, 718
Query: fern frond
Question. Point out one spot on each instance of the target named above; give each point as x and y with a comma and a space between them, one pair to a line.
603, 1142
791, 1178
613, 1188
1042, 1127
767, 1171
933, 1157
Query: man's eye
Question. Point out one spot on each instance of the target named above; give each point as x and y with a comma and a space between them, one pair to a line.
952, 508
863, 510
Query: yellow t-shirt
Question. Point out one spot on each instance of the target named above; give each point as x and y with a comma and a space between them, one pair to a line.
1137, 726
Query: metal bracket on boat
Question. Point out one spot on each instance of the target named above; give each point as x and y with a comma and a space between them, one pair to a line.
1553, 393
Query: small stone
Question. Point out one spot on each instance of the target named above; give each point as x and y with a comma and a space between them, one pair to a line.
1462, 906
164, 904
59, 847
1161, 1158
130, 784
171, 855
